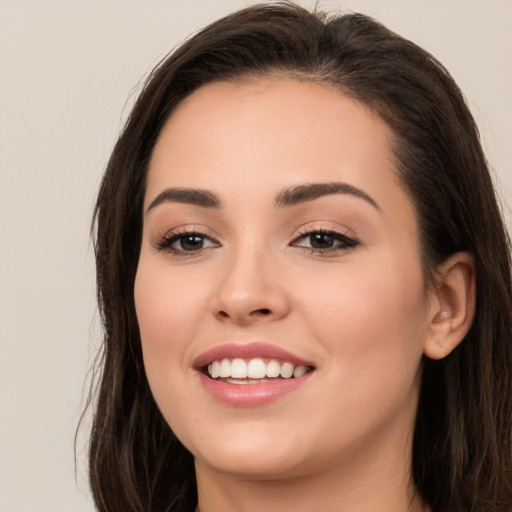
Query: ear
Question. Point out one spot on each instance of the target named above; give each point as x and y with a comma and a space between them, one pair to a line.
451, 305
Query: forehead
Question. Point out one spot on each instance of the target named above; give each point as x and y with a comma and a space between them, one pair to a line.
271, 134
307, 109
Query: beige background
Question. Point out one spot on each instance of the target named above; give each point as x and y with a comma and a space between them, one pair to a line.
66, 70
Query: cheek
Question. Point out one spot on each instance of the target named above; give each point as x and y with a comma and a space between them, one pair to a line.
167, 307
371, 325
370, 315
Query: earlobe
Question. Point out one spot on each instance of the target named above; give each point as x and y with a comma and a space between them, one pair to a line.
452, 307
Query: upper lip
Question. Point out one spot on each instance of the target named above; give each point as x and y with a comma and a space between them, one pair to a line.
247, 351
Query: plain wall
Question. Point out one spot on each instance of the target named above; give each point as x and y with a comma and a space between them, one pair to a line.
67, 69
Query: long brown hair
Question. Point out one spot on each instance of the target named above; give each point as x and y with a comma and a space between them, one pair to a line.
462, 454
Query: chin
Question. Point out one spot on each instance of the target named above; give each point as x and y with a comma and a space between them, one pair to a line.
255, 468
256, 453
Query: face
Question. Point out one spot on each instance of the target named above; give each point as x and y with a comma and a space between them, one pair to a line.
277, 240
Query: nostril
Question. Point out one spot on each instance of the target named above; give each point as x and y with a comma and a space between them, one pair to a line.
263, 311
256, 312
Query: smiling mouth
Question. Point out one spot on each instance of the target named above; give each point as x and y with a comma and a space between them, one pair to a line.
254, 371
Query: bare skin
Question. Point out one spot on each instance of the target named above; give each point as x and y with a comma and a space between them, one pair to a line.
333, 277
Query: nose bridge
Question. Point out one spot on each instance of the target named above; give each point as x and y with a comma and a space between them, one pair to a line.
249, 288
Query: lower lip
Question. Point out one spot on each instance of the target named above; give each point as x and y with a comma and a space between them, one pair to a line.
250, 395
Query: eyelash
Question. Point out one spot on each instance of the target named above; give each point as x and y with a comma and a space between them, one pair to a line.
344, 242
167, 241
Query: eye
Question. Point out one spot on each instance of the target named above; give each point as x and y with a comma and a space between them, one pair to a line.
323, 241
186, 243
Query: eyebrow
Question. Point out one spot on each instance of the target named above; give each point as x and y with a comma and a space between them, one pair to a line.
304, 193
287, 197
196, 197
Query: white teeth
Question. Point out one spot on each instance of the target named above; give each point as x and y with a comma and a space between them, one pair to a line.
273, 368
215, 369
243, 381
286, 370
238, 369
299, 371
225, 368
254, 370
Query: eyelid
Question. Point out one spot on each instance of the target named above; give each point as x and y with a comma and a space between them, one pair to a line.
164, 243
343, 241
347, 241
325, 227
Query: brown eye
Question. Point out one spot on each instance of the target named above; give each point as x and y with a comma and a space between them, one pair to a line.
324, 241
186, 243
189, 242
321, 241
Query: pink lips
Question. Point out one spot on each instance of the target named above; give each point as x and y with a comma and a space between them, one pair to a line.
246, 395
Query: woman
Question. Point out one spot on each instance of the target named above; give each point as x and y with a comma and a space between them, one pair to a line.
304, 280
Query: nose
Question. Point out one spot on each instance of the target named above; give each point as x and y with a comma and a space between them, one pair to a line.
250, 290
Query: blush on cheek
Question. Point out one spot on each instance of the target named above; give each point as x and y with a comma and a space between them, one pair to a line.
168, 312
378, 317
